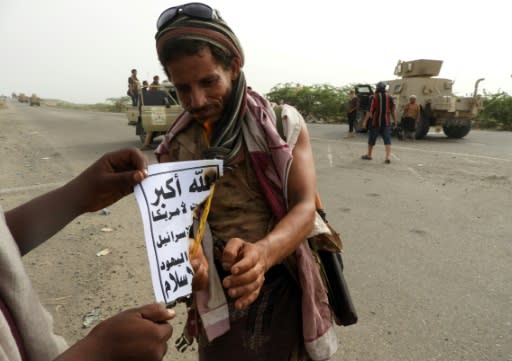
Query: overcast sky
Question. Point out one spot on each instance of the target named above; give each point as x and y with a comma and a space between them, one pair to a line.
82, 51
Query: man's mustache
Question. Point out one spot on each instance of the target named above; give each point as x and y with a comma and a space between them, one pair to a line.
204, 109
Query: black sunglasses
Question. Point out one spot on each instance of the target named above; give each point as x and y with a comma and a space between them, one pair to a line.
195, 10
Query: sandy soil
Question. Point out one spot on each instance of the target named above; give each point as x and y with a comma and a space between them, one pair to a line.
427, 237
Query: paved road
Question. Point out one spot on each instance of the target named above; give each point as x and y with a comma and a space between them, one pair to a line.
428, 238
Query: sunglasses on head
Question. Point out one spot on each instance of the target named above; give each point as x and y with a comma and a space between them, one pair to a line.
195, 10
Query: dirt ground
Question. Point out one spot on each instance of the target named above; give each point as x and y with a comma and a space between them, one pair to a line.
427, 238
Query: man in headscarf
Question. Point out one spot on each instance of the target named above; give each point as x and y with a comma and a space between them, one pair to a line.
263, 208
411, 118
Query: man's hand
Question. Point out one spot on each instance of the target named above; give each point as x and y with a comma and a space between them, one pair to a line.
106, 181
200, 265
109, 179
248, 264
133, 335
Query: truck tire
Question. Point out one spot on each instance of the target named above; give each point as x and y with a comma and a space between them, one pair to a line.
457, 131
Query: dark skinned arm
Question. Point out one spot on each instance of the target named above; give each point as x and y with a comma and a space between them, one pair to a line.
247, 261
109, 179
136, 334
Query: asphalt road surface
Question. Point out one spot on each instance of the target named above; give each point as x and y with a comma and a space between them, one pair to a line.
428, 238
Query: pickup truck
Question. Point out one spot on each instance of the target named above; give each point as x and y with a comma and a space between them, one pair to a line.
157, 110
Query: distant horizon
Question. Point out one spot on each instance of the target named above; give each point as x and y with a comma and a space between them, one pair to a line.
481, 90
50, 51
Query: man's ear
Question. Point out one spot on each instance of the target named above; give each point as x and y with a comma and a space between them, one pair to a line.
235, 68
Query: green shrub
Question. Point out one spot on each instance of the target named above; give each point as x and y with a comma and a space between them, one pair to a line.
496, 112
321, 101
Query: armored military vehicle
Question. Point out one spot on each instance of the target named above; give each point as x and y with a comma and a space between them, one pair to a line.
157, 110
439, 106
22, 98
35, 100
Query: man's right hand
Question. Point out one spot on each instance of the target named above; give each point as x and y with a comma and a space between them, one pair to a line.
109, 179
133, 335
200, 265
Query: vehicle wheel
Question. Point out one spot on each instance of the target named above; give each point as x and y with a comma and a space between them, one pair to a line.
423, 127
457, 131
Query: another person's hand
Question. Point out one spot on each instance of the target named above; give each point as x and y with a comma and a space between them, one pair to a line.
248, 264
136, 334
109, 179
200, 265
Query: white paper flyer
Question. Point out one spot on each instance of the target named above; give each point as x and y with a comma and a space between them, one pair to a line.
166, 199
